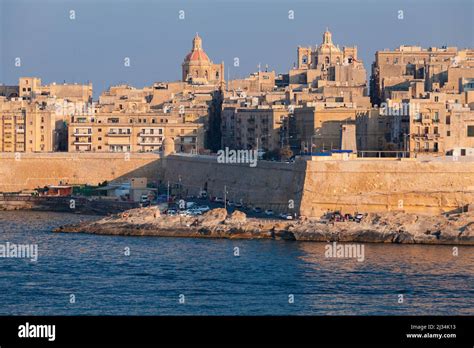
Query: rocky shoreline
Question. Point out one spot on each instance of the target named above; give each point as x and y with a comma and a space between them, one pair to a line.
454, 229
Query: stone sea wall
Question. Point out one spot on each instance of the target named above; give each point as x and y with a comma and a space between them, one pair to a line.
414, 186
310, 187
28, 171
272, 185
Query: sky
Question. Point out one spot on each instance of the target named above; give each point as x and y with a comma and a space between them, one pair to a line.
93, 46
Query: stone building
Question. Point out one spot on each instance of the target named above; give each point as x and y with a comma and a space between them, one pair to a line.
133, 133
328, 66
30, 129
199, 69
261, 81
319, 126
252, 127
437, 69
31, 88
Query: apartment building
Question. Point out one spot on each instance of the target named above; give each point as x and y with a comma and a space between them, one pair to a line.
319, 125
133, 133
438, 69
252, 127
29, 130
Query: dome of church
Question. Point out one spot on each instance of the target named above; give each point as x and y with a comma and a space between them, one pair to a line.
197, 56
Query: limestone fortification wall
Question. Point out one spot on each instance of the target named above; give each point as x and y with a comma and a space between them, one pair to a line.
38, 170
362, 185
354, 185
268, 185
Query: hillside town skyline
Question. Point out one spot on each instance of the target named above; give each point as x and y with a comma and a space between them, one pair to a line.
241, 74
326, 91
92, 44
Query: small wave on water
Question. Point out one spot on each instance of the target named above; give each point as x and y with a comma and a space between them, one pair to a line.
158, 272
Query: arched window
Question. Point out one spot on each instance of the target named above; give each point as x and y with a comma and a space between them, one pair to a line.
304, 60
217, 75
206, 74
195, 73
326, 60
338, 60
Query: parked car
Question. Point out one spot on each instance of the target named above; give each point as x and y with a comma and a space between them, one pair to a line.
190, 205
171, 212
194, 212
348, 217
269, 212
203, 208
238, 205
286, 216
257, 210
219, 200
358, 217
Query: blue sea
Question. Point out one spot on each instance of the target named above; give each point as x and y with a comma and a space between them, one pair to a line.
83, 274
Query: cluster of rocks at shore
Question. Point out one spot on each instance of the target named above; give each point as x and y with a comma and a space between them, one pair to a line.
394, 227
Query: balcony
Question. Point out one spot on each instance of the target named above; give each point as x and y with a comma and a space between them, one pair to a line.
118, 134
149, 143
150, 135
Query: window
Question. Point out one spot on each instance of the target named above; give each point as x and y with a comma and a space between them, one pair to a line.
326, 60
470, 131
436, 99
448, 133
304, 60
448, 119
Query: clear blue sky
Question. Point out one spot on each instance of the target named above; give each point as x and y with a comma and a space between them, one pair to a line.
94, 45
